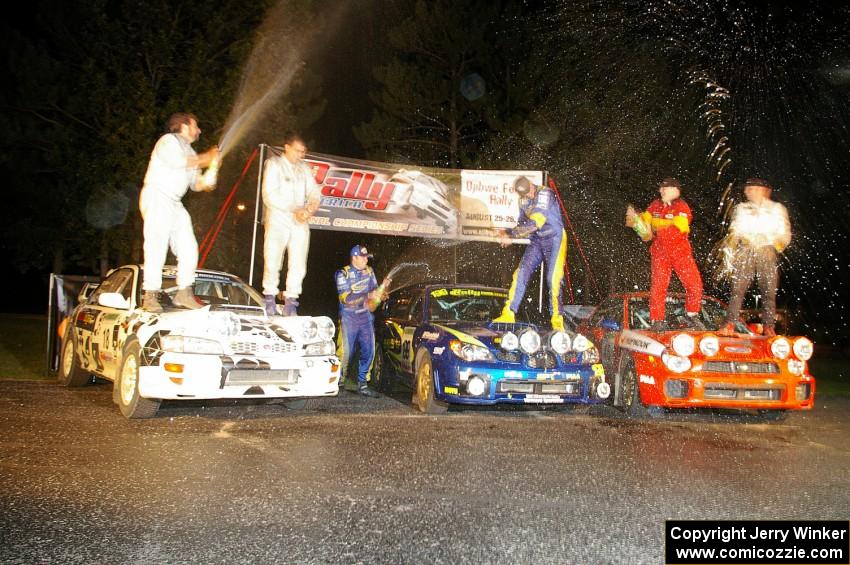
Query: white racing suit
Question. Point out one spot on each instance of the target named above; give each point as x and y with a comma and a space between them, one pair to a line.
166, 221
286, 187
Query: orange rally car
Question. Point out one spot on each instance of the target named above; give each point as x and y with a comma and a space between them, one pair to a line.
691, 365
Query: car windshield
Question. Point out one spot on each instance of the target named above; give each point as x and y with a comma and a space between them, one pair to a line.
217, 290
448, 304
711, 316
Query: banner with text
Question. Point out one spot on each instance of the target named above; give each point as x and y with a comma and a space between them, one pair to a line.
383, 198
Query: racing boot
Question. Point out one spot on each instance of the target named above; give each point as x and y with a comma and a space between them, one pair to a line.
185, 298
269, 305
150, 301
364, 390
506, 317
289, 307
558, 322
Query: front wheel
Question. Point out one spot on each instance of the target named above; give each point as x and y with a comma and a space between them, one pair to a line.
70, 371
381, 371
131, 404
424, 395
630, 393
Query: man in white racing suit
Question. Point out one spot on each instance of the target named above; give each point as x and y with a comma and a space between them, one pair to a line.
291, 196
173, 169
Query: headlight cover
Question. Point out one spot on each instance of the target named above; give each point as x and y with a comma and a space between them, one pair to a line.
675, 363
581, 343
186, 344
559, 342
780, 348
510, 342
469, 351
709, 345
796, 367
326, 327
683, 345
309, 328
803, 348
529, 341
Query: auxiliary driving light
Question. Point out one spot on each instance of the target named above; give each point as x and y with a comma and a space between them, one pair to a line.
529, 341
780, 348
683, 345
559, 342
709, 345
510, 342
603, 390
803, 348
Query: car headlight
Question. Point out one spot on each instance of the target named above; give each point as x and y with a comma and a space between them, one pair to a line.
529, 341
590, 356
326, 327
510, 342
675, 363
780, 348
559, 342
796, 367
803, 348
683, 345
186, 344
709, 345
225, 324
469, 351
320, 348
581, 343
309, 328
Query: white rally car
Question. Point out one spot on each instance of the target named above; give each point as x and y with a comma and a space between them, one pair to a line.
228, 349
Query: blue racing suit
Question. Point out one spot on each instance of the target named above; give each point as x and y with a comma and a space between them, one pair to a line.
356, 327
540, 220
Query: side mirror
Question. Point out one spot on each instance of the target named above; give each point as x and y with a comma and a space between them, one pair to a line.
610, 325
86, 291
113, 300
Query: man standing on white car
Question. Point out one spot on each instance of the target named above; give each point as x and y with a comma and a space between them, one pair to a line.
173, 169
291, 196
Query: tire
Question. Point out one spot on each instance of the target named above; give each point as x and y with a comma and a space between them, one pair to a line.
424, 393
70, 371
631, 403
127, 387
381, 371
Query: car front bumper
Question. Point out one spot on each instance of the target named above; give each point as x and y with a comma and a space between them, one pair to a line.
579, 385
188, 376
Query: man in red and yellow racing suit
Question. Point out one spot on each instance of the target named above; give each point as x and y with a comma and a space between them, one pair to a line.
669, 220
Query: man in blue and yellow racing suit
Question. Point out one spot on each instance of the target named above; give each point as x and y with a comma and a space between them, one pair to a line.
359, 295
540, 220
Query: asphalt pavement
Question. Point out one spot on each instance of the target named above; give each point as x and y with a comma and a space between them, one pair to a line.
359, 480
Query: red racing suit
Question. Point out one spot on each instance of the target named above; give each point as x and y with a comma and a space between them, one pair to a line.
671, 251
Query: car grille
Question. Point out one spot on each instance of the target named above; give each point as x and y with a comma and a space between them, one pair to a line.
723, 391
739, 367
264, 348
508, 356
540, 387
261, 377
542, 360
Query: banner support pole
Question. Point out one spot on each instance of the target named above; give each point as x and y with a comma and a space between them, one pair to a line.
256, 212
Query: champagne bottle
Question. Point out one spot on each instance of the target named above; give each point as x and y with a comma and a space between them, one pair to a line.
210, 177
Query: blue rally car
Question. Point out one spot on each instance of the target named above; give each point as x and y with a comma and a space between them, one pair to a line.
440, 340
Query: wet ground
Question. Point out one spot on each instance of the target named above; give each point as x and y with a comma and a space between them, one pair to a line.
371, 481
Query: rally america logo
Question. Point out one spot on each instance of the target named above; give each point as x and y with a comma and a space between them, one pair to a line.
353, 184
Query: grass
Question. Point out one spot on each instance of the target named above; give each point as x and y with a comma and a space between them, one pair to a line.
23, 355
23, 347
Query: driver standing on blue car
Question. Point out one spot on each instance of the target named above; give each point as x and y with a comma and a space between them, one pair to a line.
541, 222
359, 296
